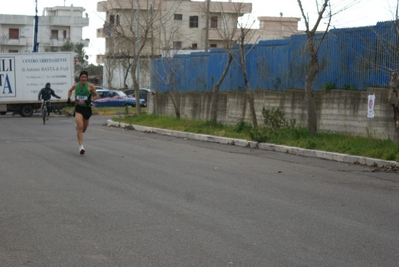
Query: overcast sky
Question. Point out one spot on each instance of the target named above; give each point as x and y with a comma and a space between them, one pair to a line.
361, 13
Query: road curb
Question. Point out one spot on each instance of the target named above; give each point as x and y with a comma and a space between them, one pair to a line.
266, 146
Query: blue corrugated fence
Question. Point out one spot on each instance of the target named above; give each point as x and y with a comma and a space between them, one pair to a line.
353, 58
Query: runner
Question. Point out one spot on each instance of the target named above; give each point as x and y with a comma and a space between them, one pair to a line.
84, 93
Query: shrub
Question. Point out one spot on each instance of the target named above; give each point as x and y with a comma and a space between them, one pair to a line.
275, 119
276, 83
329, 86
242, 127
349, 87
259, 134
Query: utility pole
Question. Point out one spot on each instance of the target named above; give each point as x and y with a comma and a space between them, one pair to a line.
35, 44
207, 26
138, 43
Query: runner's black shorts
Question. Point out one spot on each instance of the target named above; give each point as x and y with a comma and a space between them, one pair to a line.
85, 111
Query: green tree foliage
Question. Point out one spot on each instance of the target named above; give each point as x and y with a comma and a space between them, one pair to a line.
96, 70
81, 57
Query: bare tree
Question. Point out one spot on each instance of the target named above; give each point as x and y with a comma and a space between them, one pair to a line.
165, 75
135, 24
313, 46
109, 64
395, 48
216, 87
387, 60
111, 61
314, 42
174, 95
229, 34
126, 63
244, 32
169, 32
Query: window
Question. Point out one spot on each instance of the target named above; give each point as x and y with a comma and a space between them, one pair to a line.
214, 22
213, 45
193, 21
54, 34
118, 21
194, 45
177, 45
64, 34
178, 16
111, 19
13, 33
12, 51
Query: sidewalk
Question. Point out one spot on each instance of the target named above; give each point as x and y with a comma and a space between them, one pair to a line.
266, 146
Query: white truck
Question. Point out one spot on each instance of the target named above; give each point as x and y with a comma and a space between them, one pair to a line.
23, 75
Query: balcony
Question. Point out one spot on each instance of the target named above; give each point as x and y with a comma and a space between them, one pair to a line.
16, 42
65, 21
105, 6
15, 20
60, 42
232, 8
219, 35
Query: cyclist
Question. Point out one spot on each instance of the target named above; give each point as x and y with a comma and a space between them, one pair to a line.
45, 94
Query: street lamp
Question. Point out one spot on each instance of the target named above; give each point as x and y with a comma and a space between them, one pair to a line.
35, 44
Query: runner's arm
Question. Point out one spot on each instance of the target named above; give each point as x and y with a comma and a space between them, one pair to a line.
71, 90
93, 91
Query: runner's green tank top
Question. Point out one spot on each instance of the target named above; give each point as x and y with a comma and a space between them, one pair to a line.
81, 94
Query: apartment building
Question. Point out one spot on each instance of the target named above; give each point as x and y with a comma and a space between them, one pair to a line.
277, 27
167, 26
56, 26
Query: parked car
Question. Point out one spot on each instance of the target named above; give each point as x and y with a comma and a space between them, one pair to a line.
115, 98
143, 93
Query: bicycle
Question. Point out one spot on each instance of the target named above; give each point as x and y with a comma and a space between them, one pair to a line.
44, 110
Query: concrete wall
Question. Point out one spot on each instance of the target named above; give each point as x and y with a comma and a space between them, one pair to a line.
338, 110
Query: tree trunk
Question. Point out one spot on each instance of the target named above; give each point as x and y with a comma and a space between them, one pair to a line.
314, 61
252, 109
311, 106
136, 87
246, 81
313, 69
215, 98
173, 94
215, 102
176, 103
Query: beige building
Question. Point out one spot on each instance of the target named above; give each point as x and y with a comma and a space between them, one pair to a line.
277, 27
167, 26
56, 26
173, 26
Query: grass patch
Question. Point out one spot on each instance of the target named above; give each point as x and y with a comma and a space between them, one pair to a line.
120, 110
183, 125
297, 137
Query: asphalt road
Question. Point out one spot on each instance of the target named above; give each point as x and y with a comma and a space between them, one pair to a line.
141, 199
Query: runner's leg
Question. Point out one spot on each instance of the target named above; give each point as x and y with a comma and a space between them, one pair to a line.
79, 125
85, 125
